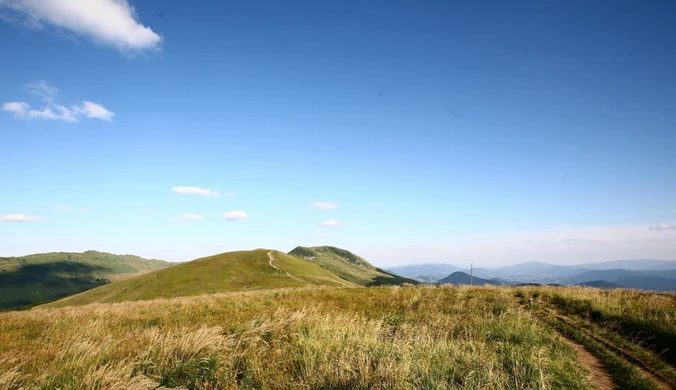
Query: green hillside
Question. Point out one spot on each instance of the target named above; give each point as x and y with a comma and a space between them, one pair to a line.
44, 277
348, 266
233, 271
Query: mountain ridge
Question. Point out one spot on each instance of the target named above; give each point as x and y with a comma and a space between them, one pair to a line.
348, 266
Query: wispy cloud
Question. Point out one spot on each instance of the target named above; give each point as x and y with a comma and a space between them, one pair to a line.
331, 223
19, 218
235, 215
320, 235
324, 205
109, 22
63, 207
663, 227
51, 109
191, 216
93, 110
195, 191
83, 210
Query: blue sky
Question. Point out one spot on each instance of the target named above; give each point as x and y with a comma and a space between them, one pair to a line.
493, 132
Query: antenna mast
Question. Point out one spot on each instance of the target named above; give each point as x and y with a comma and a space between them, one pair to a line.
471, 270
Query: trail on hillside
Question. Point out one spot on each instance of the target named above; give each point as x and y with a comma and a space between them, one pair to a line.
662, 383
600, 377
275, 267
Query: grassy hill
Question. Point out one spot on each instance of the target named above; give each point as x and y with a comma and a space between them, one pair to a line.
348, 266
233, 271
43, 277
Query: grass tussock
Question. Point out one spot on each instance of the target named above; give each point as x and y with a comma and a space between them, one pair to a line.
313, 338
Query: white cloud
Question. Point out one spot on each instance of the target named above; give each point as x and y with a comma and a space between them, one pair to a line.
331, 223
52, 110
93, 110
320, 235
62, 207
195, 191
324, 205
231, 193
663, 227
110, 22
18, 218
235, 215
83, 210
18, 109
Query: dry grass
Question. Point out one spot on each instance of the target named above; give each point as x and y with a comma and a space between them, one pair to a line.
641, 317
312, 338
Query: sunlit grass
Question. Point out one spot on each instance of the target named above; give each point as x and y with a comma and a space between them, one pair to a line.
645, 317
326, 338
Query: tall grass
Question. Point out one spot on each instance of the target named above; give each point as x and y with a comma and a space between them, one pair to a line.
646, 317
313, 338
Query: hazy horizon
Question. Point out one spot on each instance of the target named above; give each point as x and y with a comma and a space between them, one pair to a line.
403, 132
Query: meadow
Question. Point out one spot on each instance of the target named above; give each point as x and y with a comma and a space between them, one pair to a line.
309, 338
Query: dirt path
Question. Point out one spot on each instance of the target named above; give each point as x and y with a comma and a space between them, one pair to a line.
637, 363
600, 378
275, 267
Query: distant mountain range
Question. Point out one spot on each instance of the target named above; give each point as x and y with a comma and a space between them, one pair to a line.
646, 274
425, 272
460, 278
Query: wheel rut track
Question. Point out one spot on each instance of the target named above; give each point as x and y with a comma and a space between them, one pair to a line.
599, 371
601, 378
661, 381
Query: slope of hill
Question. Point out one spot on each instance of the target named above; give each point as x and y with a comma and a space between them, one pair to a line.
459, 277
348, 266
43, 277
424, 272
233, 271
